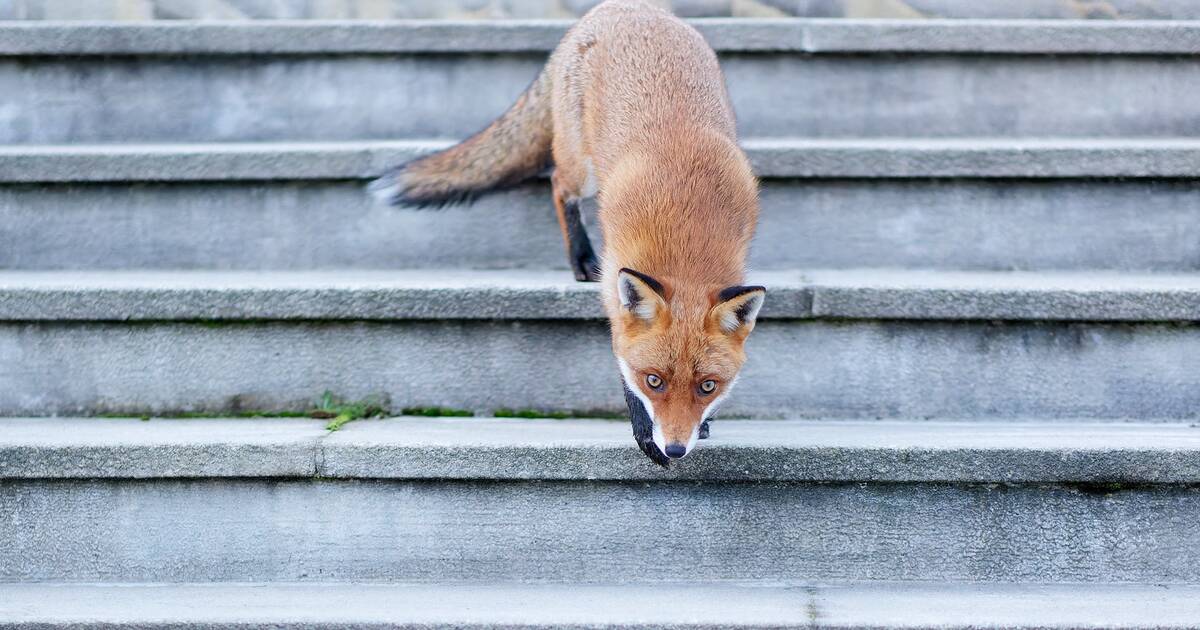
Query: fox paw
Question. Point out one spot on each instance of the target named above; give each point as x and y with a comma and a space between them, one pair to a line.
586, 268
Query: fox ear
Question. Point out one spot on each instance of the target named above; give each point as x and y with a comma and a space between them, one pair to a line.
737, 308
640, 294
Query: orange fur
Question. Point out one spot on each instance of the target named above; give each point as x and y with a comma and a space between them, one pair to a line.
633, 102
640, 96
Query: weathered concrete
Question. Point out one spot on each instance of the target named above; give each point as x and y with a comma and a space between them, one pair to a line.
133, 448
941, 224
358, 295
1032, 158
541, 9
551, 295
742, 606
790, 450
486, 448
319, 96
207, 162
1028, 9
725, 35
797, 368
1059, 296
592, 532
775, 158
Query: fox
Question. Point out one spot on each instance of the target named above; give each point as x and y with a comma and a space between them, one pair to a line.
632, 109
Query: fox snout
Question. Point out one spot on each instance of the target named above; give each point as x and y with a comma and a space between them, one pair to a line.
652, 440
675, 450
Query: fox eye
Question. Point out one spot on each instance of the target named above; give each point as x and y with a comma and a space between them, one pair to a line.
708, 386
654, 381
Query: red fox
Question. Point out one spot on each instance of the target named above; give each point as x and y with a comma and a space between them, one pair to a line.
632, 108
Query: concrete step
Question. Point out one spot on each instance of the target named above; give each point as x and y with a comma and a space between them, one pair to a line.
742, 606
542, 9
984, 203
68, 83
487, 501
600, 450
771, 157
447, 294
855, 344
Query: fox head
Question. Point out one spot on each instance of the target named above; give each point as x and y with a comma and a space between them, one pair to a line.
679, 349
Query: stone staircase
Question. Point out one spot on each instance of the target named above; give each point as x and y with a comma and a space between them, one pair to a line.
971, 402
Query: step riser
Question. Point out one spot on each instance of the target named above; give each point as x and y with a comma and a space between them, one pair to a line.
193, 531
818, 369
330, 97
982, 224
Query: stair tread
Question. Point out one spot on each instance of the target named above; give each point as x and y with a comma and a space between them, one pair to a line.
894, 605
983, 157
161, 295
498, 448
838, 35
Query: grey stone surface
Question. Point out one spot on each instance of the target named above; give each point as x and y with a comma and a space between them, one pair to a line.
1150, 225
592, 532
486, 448
726, 35
790, 450
1025, 9
278, 38
1032, 158
301, 606
355, 295
552, 295
1071, 296
207, 162
352, 96
137, 449
796, 368
138, 10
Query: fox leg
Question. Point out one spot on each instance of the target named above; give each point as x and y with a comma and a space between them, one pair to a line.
580, 254
703, 430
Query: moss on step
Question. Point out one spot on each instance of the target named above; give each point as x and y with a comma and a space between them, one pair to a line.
329, 406
341, 412
436, 412
537, 414
531, 414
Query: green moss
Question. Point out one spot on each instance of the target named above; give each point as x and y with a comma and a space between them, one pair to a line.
436, 412
600, 414
534, 414
328, 407
531, 414
340, 412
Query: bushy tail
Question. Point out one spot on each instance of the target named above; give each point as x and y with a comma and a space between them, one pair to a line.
510, 150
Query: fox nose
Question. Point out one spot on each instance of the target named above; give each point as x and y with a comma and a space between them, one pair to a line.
675, 451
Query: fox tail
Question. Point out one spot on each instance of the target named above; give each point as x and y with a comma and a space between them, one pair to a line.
515, 147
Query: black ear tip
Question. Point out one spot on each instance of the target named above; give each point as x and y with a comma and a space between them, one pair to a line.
649, 281
739, 291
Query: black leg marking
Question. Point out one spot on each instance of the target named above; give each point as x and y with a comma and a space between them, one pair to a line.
704, 429
643, 429
579, 248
